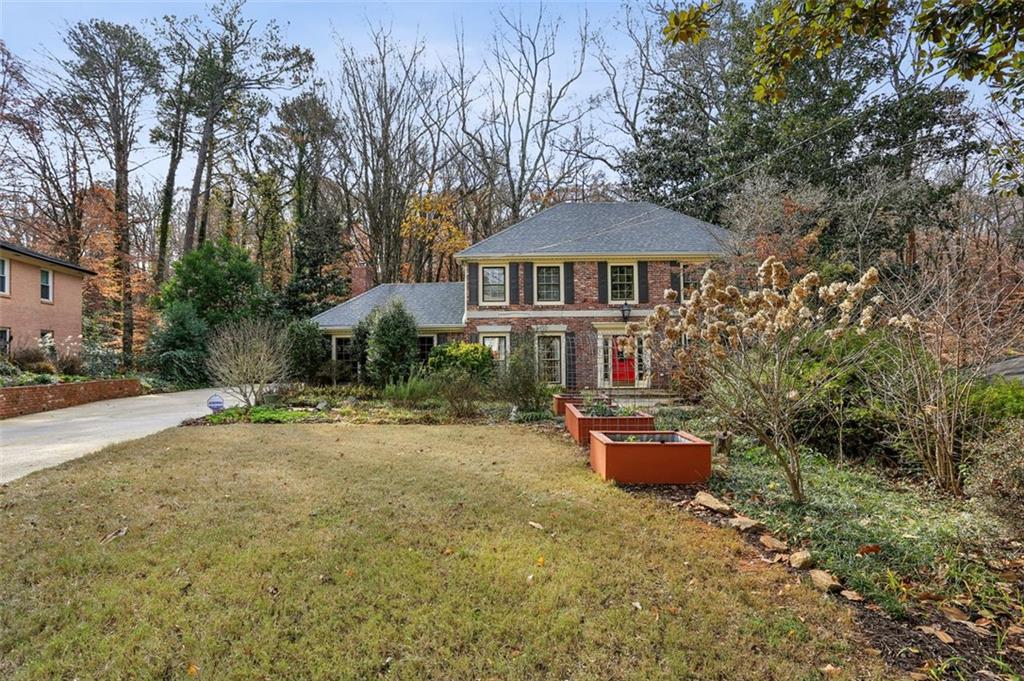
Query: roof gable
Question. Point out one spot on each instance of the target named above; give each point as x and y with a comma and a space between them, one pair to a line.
576, 229
431, 305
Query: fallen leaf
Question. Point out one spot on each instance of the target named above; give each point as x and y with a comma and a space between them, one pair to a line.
529, 579
937, 633
954, 613
851, 595
534, 525
867, 549
636, 604
192, 670
540, 561
830, 670
1012, 630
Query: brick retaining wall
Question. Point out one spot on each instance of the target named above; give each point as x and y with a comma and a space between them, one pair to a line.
32, 399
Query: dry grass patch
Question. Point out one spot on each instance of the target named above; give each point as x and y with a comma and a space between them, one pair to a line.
333, 551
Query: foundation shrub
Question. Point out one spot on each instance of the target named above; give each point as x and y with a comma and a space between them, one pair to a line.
472, 358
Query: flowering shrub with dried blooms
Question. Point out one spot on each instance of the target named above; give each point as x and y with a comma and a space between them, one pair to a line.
755, 347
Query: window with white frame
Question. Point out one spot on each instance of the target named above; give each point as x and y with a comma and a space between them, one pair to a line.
622, 283
493, 284
46, 285
424, 346
549, 284
498, 345
549, 358
5, 275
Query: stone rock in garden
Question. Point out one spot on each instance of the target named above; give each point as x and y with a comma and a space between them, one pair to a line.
321, 405
801, 560
773, 544
744, 524
707, 501
823, 581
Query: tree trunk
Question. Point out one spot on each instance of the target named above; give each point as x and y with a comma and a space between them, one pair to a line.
167, 200
197, 178
123, 263
204, 220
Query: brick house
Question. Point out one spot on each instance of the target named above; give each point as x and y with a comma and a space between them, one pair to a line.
571, 277
40, 295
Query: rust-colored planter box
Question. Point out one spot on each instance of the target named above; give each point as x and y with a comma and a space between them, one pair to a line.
656, 457
559, 401
579, 425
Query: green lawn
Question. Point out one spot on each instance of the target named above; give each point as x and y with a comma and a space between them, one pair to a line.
406, 552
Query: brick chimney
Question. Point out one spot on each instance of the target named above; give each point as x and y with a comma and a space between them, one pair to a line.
362, 278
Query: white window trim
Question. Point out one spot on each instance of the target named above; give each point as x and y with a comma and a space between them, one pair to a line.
636, 283
50, 281
431, 336
480, 284
334, 344
561, 361
561, 284
506, 336
6, 291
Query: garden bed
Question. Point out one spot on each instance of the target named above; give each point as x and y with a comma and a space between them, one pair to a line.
654, 457
559, 400
579, 424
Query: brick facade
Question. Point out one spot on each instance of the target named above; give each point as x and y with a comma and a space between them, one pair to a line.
581, 331
32, 399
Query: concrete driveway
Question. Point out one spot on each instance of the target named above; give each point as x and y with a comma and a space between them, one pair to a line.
29, 443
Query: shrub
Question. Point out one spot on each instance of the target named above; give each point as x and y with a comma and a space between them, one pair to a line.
411, 391
70, 363
177, 347
24, 355
998, 399
44, 366
99, 360
517, 382
461, 390
307, 349
392, 349
997, 478
473, 358
249, 357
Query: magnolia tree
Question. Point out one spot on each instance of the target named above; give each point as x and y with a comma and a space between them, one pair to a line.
766, 353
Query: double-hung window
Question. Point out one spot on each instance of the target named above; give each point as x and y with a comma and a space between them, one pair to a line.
46, 285
424, 346
493, 284
622, 283
5, 276
549, 359
498, 345
549, 284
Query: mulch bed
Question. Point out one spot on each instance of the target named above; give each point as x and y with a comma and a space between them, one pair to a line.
899, 642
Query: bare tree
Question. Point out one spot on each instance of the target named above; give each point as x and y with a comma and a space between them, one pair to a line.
249, 357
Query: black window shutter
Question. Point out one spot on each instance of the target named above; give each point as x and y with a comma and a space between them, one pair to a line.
674, 283
569, 295
528, 283
641, 284
570, 360
513, 283
472, 272
602, 282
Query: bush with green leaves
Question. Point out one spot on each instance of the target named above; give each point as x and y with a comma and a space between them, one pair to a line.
473, 358
517, 381
996, 480
998, 399
308, 349
98, 360
392, 351
220, 280
177, 347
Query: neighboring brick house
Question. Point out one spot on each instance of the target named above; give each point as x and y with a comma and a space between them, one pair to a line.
40, 295
570, 276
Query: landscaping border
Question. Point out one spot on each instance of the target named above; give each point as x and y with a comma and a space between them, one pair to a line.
33, 399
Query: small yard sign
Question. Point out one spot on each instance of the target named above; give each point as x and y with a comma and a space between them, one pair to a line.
215, 403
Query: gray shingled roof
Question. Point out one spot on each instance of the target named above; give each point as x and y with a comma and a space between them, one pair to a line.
633, 228
439, 304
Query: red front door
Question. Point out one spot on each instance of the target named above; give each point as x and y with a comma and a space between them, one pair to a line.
623, 367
